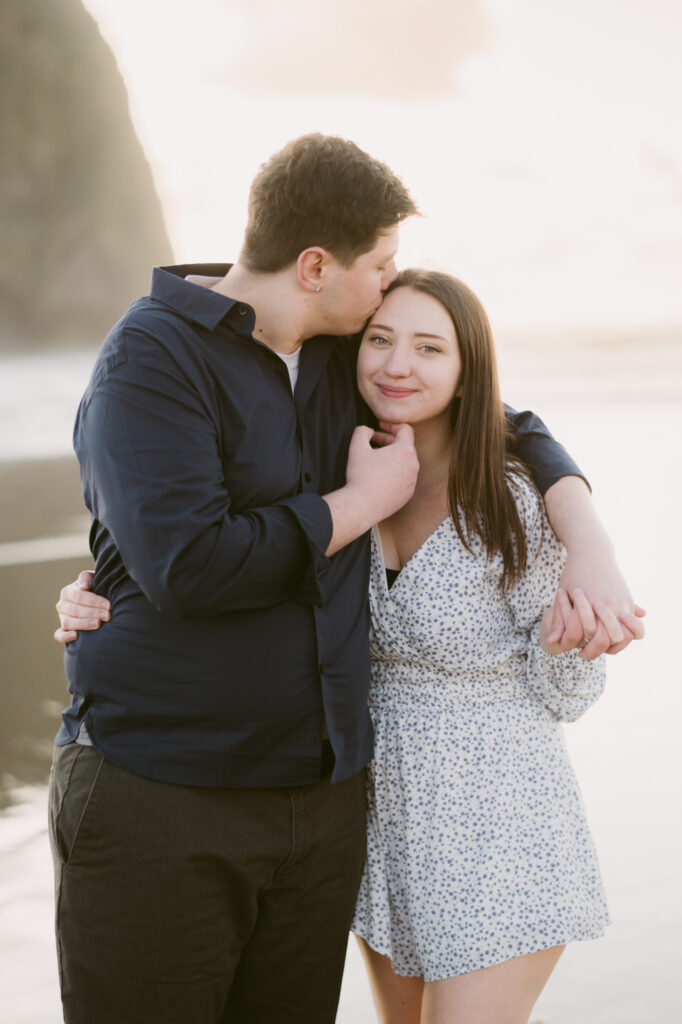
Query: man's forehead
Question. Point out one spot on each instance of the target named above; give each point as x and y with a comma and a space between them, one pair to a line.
388, 241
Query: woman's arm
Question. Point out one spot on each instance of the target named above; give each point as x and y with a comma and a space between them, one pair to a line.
562, 680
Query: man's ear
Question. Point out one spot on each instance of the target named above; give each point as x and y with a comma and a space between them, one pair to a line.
312, 267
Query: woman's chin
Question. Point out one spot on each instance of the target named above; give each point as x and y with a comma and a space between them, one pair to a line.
390, 420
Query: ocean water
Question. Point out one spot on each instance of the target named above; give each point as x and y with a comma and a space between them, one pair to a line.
620, 414
39, 395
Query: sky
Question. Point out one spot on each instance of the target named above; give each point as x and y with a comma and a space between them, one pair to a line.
541, 139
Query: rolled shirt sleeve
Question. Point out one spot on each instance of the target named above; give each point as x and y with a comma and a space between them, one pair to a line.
547, 459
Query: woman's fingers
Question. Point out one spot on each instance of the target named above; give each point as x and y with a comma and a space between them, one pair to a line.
573, 634
585, 612
593, 641
598, 644
561, 613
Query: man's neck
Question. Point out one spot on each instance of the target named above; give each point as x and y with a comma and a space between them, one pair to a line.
279, 307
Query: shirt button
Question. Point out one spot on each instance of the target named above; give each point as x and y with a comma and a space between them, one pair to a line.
243, 311
307, 477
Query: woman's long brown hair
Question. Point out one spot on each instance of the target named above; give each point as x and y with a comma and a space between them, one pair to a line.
478, 486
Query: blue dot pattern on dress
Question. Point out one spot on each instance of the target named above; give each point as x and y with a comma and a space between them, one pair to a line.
478, 847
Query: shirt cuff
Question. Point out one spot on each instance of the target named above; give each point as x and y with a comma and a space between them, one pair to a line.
314, 517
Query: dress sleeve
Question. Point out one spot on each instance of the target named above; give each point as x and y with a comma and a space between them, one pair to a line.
153, 477
565, 683
547, 460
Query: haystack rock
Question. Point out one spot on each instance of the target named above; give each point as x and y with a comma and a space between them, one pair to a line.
80, 220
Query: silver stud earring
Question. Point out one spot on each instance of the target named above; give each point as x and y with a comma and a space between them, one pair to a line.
318, 289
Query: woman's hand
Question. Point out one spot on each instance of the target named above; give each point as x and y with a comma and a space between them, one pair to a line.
591, 574
79, 609
576, 622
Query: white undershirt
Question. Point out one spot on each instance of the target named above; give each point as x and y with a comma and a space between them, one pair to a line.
292, 360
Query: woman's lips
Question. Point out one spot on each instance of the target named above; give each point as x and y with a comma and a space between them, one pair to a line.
391, 392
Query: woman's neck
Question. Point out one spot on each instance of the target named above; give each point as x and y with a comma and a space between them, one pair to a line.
433, 443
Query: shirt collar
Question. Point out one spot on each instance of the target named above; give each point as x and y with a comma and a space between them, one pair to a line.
194, 302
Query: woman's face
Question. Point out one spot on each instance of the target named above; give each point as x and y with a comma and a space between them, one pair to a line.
409, 363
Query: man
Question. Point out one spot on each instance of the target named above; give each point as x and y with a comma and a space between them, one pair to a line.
207, 797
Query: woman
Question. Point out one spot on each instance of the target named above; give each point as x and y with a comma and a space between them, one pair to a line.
480, 865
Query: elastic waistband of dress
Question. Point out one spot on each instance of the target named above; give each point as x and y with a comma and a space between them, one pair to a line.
399, 682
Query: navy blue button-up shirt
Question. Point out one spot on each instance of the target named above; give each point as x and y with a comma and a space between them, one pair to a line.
232, 636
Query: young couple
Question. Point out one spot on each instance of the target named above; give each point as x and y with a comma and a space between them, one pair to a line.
208, 795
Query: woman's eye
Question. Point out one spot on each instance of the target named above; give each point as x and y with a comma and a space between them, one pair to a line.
429, 349
378, 339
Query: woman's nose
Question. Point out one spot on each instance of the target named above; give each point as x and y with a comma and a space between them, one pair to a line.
397, 364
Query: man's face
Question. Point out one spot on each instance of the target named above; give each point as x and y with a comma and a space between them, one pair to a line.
351, 295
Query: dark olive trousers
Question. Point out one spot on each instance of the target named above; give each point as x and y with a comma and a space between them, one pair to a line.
184, 905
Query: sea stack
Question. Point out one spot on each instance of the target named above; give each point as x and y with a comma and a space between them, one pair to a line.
80, 219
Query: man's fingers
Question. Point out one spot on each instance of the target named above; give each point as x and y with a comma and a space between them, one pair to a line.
405, 433
381, 439
631, 628
65, 636
68, 622
360, 433
82, 612
389, 428
634, 624
84, 598
639, 611
85, 578
613, 626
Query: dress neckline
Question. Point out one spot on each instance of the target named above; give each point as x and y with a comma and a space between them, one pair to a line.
398, 572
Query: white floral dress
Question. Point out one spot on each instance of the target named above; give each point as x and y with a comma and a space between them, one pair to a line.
478, 848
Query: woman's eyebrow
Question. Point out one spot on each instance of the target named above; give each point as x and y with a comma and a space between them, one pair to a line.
422, 334
382, 327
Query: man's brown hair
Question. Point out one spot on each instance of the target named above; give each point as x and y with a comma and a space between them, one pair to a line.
320, 190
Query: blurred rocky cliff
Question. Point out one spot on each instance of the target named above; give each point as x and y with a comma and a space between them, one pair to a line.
80, 220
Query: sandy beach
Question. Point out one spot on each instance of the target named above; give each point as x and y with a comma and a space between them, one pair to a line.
38, 499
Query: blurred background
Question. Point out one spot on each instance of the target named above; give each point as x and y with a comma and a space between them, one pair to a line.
543, 143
